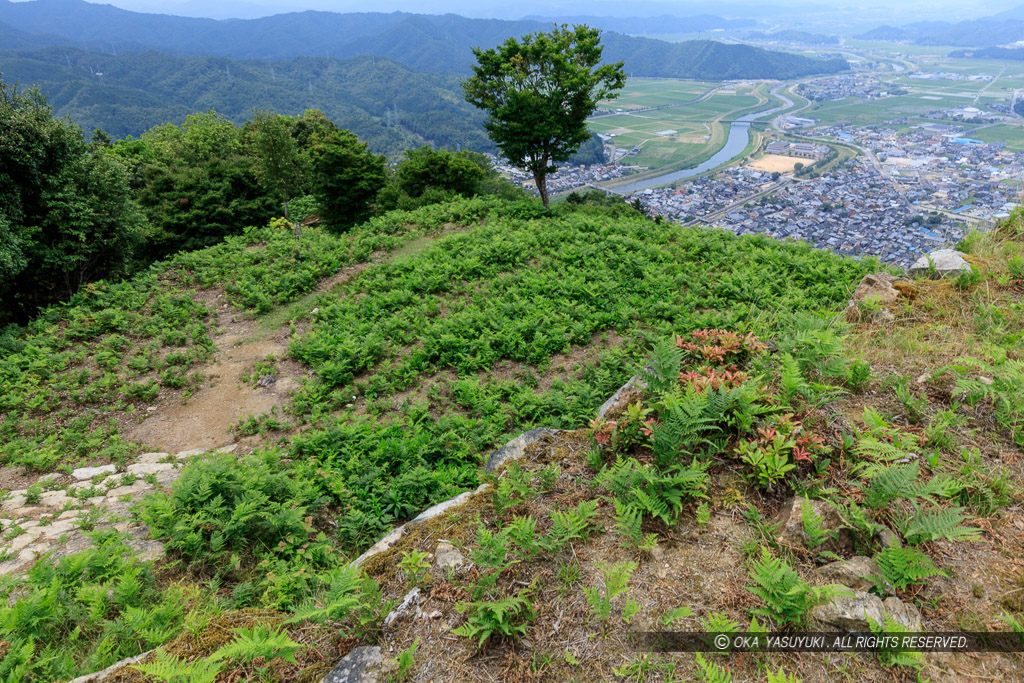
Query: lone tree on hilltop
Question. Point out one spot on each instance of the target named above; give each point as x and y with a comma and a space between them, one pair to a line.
538, 92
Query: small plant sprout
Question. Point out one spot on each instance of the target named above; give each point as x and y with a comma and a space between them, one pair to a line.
615, 582
415, 565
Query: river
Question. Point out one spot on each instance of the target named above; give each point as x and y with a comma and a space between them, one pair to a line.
735, 143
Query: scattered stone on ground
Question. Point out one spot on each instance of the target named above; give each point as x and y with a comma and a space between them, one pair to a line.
621, 398
411, 600
87, 473
852, 612
791, 524
52, 521
855, 572
873, 295
946, 262
447, 557
515, 448
361, 665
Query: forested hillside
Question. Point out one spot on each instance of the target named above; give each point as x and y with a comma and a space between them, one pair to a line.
976, 33
422, 42
386, 104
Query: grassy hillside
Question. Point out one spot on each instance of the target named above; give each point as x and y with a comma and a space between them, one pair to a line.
423, 340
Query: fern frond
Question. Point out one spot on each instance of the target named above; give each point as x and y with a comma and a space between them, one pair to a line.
905, 566
937, 524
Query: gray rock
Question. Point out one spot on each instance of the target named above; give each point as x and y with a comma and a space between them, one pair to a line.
167, 477
411, 599
152, 457
191, 453
361, 665
515, 448
13, 503
947, 262
100, 676
903, 612
146, 551
55, 499
851, 573
144, 468
84, 473
851, 613
131, 490
887, 538
791, 524
447, 557
396, 534
876, 289
621, 398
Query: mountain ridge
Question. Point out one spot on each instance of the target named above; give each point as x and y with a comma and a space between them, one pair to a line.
438, 43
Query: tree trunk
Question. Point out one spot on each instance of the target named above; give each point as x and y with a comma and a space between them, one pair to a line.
541, 178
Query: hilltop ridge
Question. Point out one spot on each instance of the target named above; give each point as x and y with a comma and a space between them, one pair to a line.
422, 341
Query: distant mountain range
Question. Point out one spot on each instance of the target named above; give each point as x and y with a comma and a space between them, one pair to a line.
1007, 27
423, 42
660, 25
791, 36
126, 71
1016, 54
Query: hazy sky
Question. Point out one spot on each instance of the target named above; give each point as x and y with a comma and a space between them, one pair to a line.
901, 11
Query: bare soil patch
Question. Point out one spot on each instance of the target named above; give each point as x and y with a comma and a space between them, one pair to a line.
203, 420
776, 163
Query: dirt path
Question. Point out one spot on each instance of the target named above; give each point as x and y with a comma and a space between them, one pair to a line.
205, 419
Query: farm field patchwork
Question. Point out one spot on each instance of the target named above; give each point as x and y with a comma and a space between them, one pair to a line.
679, 134
1012, 135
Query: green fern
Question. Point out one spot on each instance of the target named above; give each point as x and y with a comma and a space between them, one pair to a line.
628, 522
507, 618
794, 383
348, 591
259, 642
787, 598
781, 677
936, 524
570, 525
492, 548
814, 530
673, 615
615, 580
170, 669
719, 622
523, 532
662, 371
710, 672
858, 521
895, 482
888, 657
903, 567
656, 493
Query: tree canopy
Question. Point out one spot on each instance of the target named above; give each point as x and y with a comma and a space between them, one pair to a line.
66, 213
538, 91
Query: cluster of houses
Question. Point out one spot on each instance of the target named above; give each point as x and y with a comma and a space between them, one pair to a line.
852, 211
938, 167
567, 177
861, 86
